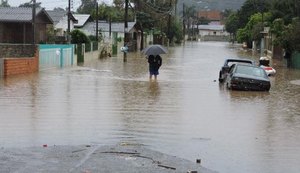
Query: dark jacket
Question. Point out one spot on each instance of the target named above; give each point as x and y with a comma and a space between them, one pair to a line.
154, 62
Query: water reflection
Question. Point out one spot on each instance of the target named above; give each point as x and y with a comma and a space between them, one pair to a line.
154, 91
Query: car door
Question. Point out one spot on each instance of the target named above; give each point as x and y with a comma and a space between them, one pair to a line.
229, 75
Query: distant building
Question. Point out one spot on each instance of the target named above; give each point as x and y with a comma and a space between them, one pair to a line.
211, 15
60, 21
212, 29
16, 25
84, 24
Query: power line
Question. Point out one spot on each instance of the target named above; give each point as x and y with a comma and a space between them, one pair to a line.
159, 9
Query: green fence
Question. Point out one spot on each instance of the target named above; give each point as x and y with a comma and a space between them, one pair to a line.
55, 56
295, 61
90, 47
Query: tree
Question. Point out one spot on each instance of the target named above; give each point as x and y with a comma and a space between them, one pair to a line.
108, 13
243, 35
251, 7
176, 31
154, 16
119, 3
79, 37
277, 29
190, 17
231, 25
86, 7
286, 10
4, 3
58, 9
29, 4
252, 30
293, 32
287, 36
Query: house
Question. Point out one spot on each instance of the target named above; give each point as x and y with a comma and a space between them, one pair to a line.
135, 33
16, 25
106, 30
85, 22
118, 27
214, 31
60, 21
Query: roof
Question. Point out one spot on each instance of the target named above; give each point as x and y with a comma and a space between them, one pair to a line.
211, 15
57, 15
82, 19
20, 14
239, 60
90, 27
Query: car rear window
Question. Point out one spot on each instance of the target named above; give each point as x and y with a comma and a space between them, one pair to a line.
229, 63
248, 70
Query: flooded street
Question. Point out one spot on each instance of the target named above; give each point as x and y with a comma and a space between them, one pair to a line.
186, 113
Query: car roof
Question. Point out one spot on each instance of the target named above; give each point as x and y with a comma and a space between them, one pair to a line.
238, 60
249, 65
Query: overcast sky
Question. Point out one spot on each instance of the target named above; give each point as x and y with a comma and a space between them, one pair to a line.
50, 4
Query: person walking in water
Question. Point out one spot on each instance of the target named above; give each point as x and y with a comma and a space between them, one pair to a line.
154, 65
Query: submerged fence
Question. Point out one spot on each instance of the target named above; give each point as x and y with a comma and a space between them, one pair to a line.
295, 60
1, 67
55, 56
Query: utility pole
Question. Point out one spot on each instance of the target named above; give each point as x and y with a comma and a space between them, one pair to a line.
169, 22
69, 24
97, 9
262, 43
183, 22
33, 21
125, 30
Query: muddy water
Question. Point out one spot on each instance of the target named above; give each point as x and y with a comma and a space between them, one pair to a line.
185, 113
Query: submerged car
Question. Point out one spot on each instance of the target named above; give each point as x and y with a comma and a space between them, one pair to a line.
228, 62
248, 78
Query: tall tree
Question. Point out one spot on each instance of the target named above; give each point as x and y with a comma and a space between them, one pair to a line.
29, 4
251, 7
287, 10
252, 30
231, 25
86, 7
4, 3
287, 36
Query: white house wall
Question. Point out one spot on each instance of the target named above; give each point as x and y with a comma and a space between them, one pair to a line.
210, 32
62, 26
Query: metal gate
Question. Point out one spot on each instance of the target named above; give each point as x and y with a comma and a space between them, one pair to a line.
55, 56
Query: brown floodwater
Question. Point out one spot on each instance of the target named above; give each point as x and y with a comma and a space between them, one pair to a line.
186, 113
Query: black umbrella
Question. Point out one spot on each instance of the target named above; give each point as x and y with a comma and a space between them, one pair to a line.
155, 49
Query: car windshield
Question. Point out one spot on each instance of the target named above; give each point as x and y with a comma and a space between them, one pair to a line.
250, 70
